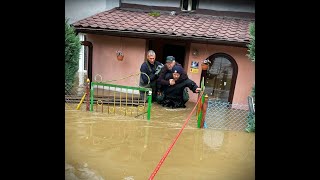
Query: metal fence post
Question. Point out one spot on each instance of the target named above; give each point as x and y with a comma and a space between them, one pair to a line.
88, 94
204, 109
149, 104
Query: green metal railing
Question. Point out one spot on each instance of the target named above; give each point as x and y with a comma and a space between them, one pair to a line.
147, 92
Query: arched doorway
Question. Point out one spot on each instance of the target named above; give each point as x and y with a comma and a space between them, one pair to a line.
220, 77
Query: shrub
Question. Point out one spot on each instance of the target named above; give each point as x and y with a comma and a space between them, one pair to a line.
72, 49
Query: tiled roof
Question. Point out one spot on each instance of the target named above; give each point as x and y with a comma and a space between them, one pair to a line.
187, 25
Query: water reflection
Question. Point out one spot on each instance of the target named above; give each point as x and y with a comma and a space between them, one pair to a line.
213, 139
121, 147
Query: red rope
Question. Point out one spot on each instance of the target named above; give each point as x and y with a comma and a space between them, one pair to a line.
174, 141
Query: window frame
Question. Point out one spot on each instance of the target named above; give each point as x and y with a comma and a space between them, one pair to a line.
191, 4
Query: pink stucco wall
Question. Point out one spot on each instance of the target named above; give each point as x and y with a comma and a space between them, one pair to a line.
246, 69
105, 63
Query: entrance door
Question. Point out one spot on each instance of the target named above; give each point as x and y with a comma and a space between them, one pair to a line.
219, 83
164, 48
176, 51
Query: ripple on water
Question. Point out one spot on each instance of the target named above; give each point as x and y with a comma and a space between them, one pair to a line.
80, 172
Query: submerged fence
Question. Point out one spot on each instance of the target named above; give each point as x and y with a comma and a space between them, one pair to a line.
110, 99
119, 99
73, 93
226, 116
220, 115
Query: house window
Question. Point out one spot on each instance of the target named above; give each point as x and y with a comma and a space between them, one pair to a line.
188, 5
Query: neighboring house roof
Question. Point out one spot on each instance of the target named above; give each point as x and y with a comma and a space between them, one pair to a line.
182, 25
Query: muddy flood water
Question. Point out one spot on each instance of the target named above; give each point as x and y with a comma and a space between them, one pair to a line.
103, 146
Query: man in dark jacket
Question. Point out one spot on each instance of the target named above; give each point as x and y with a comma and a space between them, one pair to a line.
173, 96
150, 70
164, 81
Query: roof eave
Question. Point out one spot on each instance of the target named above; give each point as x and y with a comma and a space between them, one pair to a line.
147, 35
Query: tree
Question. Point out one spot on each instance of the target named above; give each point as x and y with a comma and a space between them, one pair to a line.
72, 49
251, 46
252, 55
252, 51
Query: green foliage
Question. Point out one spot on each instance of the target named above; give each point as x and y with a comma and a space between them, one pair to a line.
251, 123
253, 92
72, 49
154, 14
251, 46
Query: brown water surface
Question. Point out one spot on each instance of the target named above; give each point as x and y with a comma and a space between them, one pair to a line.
105, 146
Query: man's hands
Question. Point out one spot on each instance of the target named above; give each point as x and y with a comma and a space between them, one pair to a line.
172, 82
198, 90
158, 69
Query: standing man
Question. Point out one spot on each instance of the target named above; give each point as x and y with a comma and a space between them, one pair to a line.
152, 68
